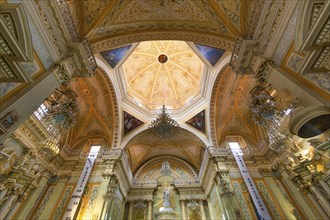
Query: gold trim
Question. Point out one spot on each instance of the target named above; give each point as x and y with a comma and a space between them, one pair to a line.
60, 198
292, 200
22, 86
98, 21
81, 17
243, 14
224, 19
110, 36
278, 206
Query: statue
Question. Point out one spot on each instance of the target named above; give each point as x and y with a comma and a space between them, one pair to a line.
166, 198
166, 168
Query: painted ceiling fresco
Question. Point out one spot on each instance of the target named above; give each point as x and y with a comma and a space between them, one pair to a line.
113, 57
172, 83
198, 121
130, 123
146, 145
211, 54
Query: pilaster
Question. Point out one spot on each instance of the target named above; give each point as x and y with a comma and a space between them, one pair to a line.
57, 193
267, 173
31, 200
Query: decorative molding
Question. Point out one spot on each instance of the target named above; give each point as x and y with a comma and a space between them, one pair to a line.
114, 42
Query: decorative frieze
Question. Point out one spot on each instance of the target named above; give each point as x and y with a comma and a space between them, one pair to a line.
132, 38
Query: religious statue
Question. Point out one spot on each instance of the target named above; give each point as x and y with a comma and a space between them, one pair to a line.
166, 168
166, 198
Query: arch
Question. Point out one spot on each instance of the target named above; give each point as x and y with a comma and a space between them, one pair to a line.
154, 165
145, 146
213, 108
200, 38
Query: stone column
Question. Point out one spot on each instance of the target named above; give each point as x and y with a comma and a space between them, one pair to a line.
101, 201
225, 195
201, 205
150, 210
3, 193
130, 210
325, 187
285, 207
29, 99
321, 200
306, 207
211, 209
183, 209
30, 201
7, 205
17, 205
57, 193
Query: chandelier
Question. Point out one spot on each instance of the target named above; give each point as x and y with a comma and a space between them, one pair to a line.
164, 126
62, 111
58, 114
264, 113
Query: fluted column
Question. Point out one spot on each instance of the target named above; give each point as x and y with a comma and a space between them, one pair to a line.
306, 207
321, 200
32, 198
6, 206
17, 205
211, 209
29, 99
150, 210
325, 187
279, 197
183, 209
201, 205
3, 193
50, 205
130, 210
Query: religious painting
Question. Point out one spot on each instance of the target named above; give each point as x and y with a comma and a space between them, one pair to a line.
211, 54
7, 121
113, 57
198, 121
130, 123
294, 62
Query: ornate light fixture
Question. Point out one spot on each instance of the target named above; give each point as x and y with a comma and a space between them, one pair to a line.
265, 113
164, 126
58, 114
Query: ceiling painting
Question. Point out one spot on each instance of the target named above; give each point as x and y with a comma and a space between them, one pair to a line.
198, 121
113, 57
172, 81
130, 123
104, 18
146, 146
231, 107
96, 111
211, 54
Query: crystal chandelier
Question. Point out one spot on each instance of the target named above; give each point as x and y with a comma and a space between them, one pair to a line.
264, 113
164, 126
58, 114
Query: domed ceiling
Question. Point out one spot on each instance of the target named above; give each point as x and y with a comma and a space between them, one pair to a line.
163, 72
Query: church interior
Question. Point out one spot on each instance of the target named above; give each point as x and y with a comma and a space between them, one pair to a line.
165, 109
